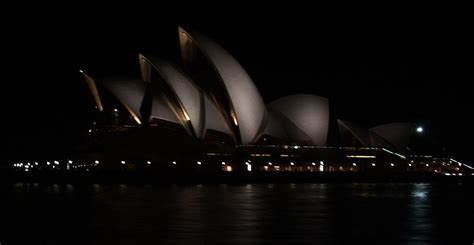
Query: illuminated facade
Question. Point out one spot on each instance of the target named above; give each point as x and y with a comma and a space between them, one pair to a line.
211, 92
208, 111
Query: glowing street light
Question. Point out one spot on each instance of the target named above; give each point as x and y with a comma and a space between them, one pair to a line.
292, 163
223, 163
419, 129
148, 162
199, 163
123, 162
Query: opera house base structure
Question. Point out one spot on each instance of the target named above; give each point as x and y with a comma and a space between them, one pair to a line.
206, 117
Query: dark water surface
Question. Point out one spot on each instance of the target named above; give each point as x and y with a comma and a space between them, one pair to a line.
237, 214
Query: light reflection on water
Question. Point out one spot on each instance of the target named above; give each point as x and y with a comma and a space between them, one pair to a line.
355, 213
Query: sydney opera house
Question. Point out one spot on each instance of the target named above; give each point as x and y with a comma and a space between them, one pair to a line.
206, 113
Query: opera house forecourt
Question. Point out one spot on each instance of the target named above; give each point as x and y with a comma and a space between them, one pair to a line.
206, 115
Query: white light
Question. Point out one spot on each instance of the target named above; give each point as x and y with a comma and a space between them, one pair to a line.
249, 167
321, 168
292, 163
148, 162
296, 147
460, 174
247, 163
447, 174
115, 110
36, 163
427, 165
28, 164
56, 162
321, 163
47, 163
354, 164
96, 162
69, 161
460, 164
199, 163
90, 130
419, 129
409, 164
223, 163
174, 162
123, 162
314, 164
26, 170
269, 163
81, 71
391, 164
373, 164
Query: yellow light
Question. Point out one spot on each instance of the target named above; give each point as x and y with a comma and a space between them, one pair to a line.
186, 116
360, 156
234, 118
261, 155
228, 168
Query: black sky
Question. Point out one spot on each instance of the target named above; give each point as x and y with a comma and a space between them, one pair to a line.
374, 68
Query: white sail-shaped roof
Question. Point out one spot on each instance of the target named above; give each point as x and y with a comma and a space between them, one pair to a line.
247, 106
308, 113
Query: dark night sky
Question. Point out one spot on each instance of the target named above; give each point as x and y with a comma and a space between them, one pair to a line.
373, 68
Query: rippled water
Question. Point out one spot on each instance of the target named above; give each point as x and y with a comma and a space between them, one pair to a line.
237, 214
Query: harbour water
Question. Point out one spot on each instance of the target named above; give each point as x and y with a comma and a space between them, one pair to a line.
344, 213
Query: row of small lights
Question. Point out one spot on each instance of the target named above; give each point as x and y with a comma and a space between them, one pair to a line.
96, 162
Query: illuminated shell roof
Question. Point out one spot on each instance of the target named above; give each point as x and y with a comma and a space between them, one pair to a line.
246, 102
307, 115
